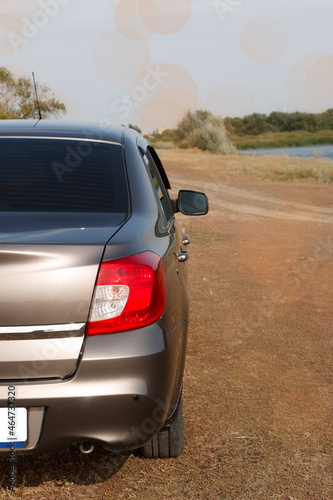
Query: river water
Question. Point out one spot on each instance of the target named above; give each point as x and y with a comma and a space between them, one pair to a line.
305, 151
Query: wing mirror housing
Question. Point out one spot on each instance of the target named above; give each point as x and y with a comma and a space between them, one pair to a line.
191, 203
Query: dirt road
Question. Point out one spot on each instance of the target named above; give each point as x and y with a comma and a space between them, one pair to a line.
258, 395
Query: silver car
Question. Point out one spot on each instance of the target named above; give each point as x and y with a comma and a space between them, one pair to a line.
94, 291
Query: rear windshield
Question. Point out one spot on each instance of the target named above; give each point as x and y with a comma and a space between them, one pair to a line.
61, 175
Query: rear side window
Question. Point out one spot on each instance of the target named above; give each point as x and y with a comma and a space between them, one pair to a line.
159, 187
62, 175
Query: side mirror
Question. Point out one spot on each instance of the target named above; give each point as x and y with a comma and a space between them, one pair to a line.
192, 202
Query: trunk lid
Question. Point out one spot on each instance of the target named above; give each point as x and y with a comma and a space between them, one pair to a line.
48, 268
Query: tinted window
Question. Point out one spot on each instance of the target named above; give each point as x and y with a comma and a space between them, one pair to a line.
159, 187
62, 175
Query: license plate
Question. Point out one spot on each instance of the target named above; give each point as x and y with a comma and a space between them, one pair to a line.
13, 427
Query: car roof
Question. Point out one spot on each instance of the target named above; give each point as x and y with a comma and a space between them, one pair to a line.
62, 128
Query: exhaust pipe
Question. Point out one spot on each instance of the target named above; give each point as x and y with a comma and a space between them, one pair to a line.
86, 448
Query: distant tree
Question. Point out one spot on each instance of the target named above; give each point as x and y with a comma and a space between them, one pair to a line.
135, 127
233, 125
255, 124
327, 117
18, 100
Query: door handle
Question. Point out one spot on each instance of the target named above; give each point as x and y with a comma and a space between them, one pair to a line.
182, 257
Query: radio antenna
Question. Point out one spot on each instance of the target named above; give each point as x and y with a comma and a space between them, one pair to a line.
39, 112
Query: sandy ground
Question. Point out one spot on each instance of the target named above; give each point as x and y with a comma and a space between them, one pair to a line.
258, 395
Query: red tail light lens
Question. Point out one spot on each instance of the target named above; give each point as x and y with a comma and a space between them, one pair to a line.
130, 293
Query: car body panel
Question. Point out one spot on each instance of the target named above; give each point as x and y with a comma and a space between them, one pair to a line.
39, 285
58, 228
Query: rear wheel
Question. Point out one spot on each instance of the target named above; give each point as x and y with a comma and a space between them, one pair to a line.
169, 441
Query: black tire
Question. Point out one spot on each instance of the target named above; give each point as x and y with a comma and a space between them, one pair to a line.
169, 441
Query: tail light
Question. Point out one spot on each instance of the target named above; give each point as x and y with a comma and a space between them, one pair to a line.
130, 293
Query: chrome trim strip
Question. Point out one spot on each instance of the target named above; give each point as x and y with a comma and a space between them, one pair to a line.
42, 331
39, 358
52, 353
59, 138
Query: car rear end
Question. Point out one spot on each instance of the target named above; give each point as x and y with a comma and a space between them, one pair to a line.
89, 351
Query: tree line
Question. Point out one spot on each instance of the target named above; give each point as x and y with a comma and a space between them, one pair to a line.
277, 121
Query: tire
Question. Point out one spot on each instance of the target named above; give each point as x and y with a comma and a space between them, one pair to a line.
169, 441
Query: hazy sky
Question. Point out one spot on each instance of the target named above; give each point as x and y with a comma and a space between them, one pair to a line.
148, 61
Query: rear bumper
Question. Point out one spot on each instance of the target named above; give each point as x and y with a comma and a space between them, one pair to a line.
119, 396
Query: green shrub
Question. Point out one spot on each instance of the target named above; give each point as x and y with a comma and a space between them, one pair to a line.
205, 131
168, 135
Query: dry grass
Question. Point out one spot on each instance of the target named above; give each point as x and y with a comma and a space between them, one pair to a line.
258, 396
277, 168
271, 167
